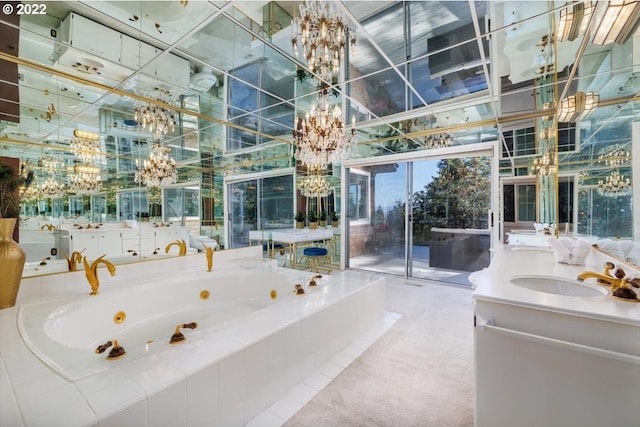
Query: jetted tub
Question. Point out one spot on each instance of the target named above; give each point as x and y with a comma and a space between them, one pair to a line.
143, 318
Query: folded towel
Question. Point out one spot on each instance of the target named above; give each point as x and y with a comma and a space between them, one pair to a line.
568, 250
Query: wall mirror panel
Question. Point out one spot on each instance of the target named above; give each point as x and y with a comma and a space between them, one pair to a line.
224, 88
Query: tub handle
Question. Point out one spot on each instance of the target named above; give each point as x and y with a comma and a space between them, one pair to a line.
178, 336
116, 352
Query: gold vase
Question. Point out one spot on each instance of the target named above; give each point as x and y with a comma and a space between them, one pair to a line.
12, 259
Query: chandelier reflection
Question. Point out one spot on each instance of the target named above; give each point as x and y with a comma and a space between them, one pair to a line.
544, 165
157, 119
51, 188
440, 140
29, 194
614, 185
86, 145
614, 156
321, 137
314, 186
85, 179
159, 170
323, 34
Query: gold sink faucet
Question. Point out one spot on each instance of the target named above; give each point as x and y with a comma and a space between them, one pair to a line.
91, 271
604, 278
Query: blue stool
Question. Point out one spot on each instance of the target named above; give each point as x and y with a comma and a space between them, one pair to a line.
314, 255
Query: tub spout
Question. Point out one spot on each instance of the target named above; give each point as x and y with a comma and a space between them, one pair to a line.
116, 352
181, 244
178, 336
91, 272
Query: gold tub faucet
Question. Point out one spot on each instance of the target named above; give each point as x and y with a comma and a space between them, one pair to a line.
181, 244
91, 272
73, 260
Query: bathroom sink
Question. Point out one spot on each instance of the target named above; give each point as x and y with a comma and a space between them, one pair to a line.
558, 286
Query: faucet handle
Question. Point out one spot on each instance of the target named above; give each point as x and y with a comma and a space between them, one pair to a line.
178, 336
115, 353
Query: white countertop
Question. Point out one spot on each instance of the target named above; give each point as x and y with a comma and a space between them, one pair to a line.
492, 284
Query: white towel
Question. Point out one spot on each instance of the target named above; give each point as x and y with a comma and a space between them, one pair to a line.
568, 250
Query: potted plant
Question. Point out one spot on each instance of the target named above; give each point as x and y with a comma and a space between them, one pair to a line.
313, 220
335, 219
323, 218
300, 217
13, 186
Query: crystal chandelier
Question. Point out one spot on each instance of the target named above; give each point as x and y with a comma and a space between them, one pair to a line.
157, 119
314, 186
86, 145
439, 140
159, 170
545, 165
51, 188
614, 185
323, 34
614, 156
85, 179
29, 194
321, 137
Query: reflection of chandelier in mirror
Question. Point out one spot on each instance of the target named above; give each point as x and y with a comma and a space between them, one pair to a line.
439, 140
30, 194
577, 106
85, 179
157, 119
314, 186
614, 156
614, 185
51, 188
323, 34
86, 145
320, 137
159, 170
545, 165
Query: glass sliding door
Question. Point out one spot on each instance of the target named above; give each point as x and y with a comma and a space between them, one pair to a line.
376, 205
425, 218
276, 202
243, 212
450, 214
259, 204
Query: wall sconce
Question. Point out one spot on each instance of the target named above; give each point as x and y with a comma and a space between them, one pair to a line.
577, 106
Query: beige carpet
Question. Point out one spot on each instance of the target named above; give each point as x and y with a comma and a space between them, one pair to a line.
420, 373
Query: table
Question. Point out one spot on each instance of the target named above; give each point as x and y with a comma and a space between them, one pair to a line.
294, 236
291, 236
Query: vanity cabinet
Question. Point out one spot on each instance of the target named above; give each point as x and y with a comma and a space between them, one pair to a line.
537, 367
142, 240
94, 244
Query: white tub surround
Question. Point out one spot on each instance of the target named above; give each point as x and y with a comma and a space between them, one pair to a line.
548, 359
221, 375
